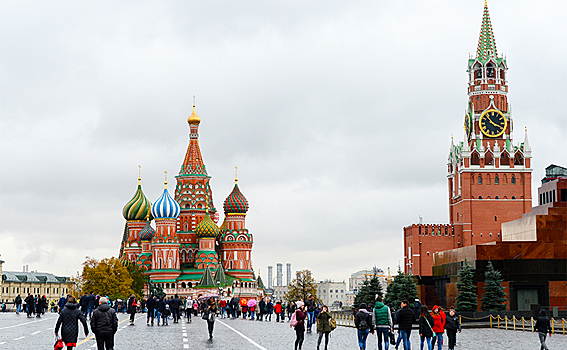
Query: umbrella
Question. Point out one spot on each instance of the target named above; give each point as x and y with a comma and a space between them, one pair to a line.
252, 302
212, 295
243, 302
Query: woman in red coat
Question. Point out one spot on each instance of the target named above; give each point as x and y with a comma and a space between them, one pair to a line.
278, 310
438, 327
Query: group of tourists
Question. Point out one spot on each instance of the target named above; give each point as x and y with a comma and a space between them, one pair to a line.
432, 326
32, 305
312, 313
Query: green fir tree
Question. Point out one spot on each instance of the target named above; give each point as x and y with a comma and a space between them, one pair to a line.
494, 297
368, 291
467, 299
401, 288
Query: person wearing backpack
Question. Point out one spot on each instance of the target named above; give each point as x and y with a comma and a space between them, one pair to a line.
363, 323
425, 327
297, 321
382, 320
324, 325
104, 324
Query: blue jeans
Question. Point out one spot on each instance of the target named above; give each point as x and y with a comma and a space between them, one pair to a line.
428, 341
362, 335
252, 315
310, 319
439, 339
405, 334
383, 333
18, 308
158, 316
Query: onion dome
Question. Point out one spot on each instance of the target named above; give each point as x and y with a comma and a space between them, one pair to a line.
165, 206
207, 228
138, 207
147, 232
235, 202
194, 118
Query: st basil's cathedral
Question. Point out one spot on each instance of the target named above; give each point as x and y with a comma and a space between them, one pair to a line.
187, 253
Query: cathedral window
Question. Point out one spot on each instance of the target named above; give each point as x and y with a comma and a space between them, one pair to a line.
496, 180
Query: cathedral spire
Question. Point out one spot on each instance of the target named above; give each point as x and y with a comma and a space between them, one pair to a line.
193, 163
486, 44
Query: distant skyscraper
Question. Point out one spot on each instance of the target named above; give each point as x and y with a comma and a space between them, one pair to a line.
288, 267
279, 274
270, 268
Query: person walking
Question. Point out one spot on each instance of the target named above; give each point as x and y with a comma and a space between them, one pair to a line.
425, 327
62, 302
30, 304
363, 324
104, 324
406, 317
188, 309
68, 321
439, 327
175, 304
40, 306
18, 302
91, 298
269, 310
131, 304
211, 312
278, 310
84, 304
382, 320
299, 326
151, 305
311, 306
323, 326
160, 308
452, 325
222, 305
543, 326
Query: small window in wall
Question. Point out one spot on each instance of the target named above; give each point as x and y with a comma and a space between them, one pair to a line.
513, 179
513, 197
427, 253
481, 235
496, 197
496, 180
495, 218
480, 179
479, 197
498, 234
490, 234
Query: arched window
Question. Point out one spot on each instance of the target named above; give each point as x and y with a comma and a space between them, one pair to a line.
480, 179
183, 285
496, 197
518, 159
490, 70
190, 255
475, 158
186, 226
489, 159
513, 197
496, 180
504, 159
479, 197
478, 72
513, 179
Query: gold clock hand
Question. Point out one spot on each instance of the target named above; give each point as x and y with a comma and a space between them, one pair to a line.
493, 123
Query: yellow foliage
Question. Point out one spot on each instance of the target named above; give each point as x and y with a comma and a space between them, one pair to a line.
106, 277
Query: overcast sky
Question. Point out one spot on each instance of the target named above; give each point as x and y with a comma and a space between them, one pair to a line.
338, 114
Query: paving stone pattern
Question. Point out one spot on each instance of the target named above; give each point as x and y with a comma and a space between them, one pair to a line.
19, 332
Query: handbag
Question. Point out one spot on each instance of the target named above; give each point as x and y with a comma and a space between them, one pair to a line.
434, 334
205, 315
58, 344
392, 338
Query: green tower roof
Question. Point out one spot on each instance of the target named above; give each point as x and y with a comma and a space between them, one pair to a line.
207, 278
486, 44
220, 276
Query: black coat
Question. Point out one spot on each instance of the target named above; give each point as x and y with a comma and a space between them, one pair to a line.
151, 304
175, 303
131, 305
160, 305
426, 329
69, 322
84, 302
405, 318
104, 320
452, 322
543, 325
363, 315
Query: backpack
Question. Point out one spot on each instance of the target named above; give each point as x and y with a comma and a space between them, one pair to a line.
293, 322
333, 323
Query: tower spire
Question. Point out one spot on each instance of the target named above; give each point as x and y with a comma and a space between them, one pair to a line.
486, 44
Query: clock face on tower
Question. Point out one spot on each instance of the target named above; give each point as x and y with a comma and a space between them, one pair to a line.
468, 125
492, 123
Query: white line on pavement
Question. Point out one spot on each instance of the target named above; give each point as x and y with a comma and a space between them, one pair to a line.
243, 336
23, 324
2, 343
19, 338
34, 333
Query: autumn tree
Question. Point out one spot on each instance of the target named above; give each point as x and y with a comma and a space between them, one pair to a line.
107, 277
138, 278
302, 286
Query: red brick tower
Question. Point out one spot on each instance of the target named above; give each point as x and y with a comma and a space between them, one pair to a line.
235, 239
193, 194
489, 178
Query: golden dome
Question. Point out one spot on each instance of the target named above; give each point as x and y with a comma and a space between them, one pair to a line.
194, 118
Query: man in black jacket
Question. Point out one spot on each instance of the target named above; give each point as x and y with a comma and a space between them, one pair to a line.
84, 304
175, 304
104, 324
151, 305
30, 303
543, 327
405, 319
311, 306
